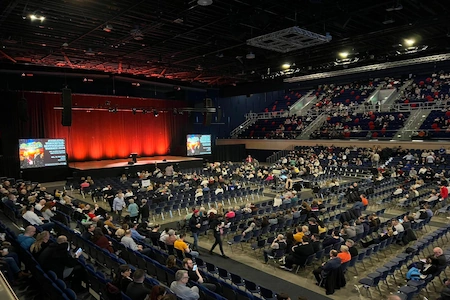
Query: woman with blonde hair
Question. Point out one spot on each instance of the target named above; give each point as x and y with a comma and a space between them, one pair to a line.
46, 211
220, 209
42, 241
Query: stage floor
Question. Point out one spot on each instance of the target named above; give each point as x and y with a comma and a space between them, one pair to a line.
141, 161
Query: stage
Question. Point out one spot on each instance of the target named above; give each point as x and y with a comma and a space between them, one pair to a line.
117, 167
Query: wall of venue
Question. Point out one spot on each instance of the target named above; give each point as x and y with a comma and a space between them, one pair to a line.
277, 145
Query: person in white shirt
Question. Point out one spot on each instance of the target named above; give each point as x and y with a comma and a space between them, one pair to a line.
31, 217
397, 226
277, 201
40, 205
219, 190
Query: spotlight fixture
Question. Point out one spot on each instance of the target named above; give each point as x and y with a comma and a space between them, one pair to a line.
284, 66
34, 17
108, 28
204, 2
409, 42
134, 110
250, 55
155, 113
89, 52
343, 54
137, 34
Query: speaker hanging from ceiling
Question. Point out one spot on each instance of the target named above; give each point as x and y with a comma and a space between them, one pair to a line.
66, 98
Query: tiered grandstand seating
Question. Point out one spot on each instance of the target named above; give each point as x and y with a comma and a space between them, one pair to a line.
435, 126
343, 97
283, 104
367, 125
429, 89
276, 128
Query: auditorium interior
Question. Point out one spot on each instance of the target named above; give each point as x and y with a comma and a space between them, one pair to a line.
308, 140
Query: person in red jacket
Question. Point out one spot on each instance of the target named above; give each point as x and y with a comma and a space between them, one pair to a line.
444, 194
102, 241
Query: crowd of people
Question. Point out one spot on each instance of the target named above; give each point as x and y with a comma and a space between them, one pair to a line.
137, 233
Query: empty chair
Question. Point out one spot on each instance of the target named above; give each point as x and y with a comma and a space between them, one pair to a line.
236, 240
266, 293
371, 280
236, 280
251, 286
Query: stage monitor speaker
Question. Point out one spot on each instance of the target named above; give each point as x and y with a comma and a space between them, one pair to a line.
66, 98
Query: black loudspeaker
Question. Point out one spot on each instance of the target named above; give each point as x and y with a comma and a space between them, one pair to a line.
208, 102
219, 114
207, 117
22, 109
66, 99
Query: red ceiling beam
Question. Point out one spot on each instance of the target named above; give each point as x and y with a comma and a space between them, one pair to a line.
8, 57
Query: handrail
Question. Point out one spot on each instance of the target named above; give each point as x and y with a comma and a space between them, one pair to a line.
6, 292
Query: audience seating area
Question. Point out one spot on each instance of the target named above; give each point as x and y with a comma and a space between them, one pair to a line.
435, 126
368, 125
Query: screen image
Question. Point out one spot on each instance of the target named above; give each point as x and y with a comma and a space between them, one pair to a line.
198, 144
39, 153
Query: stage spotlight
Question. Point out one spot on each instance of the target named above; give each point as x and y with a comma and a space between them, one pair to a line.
134, 111
409, 42
110, 110
155, 113
114, 110
343, 54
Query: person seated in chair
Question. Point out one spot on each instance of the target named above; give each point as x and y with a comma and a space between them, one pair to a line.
278, 244
299, 254
432, 264
181, 290
195, 275
136, 290
180, 244
333, 263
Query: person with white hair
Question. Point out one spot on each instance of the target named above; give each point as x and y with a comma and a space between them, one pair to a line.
181, 290
278, 244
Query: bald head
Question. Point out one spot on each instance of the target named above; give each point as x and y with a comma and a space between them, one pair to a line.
30, 230
438, 251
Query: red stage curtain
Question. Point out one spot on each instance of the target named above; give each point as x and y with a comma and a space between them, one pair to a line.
103, 135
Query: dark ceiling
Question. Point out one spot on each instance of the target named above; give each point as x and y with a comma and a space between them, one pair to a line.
185, 41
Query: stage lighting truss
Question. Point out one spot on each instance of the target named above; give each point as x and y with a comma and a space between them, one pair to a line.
370, 68
155, 112
289, 39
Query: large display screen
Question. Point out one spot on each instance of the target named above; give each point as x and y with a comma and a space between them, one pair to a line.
39, 153
198, 144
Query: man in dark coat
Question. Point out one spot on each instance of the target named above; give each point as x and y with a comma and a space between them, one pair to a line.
56, 258
323, 271
299, 254
136, 290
